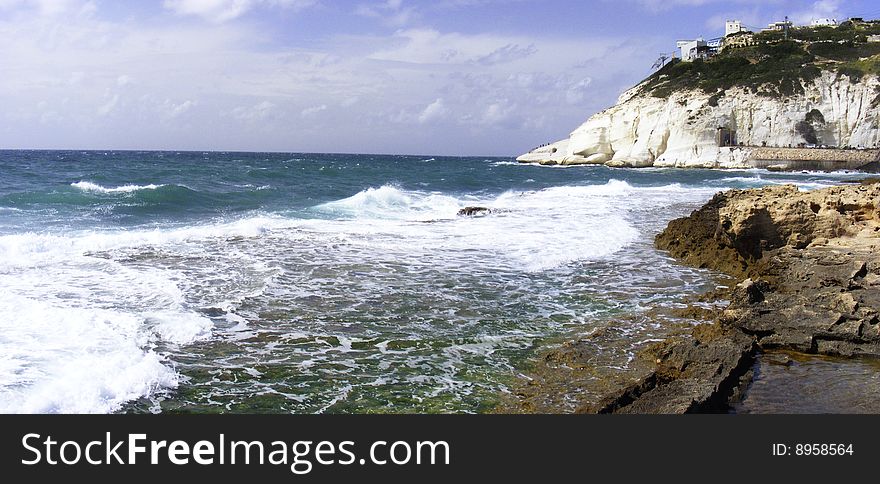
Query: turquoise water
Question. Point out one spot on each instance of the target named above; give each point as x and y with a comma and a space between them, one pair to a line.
258, 282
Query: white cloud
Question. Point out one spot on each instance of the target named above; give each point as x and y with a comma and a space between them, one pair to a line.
349, 101
171, 109
224, 10
109, 105
76, 78
497, 113
50, 117
507, 53
311, 111
430, 46
436, 111
255, 113
576, 93
52, 7
390, 12
665, 5
817, 10
503, 114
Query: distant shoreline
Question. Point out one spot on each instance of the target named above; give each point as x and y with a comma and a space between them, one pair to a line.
771, 158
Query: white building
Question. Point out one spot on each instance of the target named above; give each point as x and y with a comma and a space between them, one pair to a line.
714, 46
779, 25
824, 22
690, 49
874, 38
733, 27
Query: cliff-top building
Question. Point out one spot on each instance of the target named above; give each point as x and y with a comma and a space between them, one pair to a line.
824, 22
733, 27
693, 49
777, 26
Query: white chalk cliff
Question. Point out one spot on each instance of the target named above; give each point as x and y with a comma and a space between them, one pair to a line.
681, 131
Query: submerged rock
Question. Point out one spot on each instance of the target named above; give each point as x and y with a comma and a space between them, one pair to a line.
474, 211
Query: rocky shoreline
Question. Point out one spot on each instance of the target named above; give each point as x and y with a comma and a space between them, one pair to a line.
807, 266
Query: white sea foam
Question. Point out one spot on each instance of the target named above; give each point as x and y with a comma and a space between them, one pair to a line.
30, 248
804, 184
178, 327
95, 188
533, 230
80, 325
751, 180
73, 360
809, 186
390, 202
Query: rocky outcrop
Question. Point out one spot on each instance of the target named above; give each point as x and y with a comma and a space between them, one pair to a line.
642, 130
697, 374
809, 270
736, 228
811, 263
814, 267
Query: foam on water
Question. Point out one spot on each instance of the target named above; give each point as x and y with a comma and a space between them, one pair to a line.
94, 187
83, 326
805, 180
392, 203
758, 181
534, 230
65, 359
29, 248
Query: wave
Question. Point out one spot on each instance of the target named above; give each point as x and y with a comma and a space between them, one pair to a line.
742, 179
31, 248
254, 187
805, 181
87, 309
61, 356
530, 230
94, 187
391, 202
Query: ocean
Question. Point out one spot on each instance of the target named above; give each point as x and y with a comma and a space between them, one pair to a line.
134, 281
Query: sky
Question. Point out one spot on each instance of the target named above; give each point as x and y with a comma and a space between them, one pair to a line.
444, 77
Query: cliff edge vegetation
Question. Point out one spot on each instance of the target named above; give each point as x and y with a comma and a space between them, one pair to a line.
772, 66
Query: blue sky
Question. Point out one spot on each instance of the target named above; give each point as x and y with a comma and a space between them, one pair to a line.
459, 77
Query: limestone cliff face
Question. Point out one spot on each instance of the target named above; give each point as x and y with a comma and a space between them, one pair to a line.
680, 131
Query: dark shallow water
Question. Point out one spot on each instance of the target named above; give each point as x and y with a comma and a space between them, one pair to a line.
808, 384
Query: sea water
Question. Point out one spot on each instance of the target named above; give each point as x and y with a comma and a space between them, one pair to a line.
269, 282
